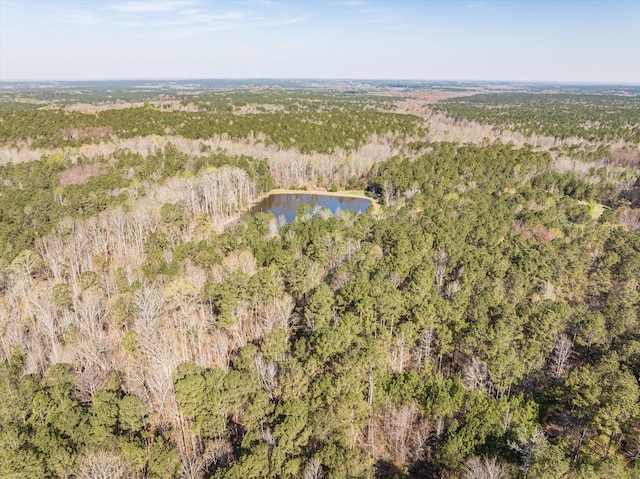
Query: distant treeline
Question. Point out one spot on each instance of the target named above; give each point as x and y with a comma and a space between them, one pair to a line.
604, 118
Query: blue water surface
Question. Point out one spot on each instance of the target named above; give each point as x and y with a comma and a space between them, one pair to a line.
281, 204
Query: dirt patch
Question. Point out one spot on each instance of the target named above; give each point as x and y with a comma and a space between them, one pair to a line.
595, 209
626, 157
94, 132
79, 175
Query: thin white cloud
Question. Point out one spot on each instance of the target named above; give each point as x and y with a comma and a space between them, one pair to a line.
189, 21
190, 29
79, 17
380, 21
152, 6
477, 5
279, 22
183, 17
381, 16
132, 24
199, 18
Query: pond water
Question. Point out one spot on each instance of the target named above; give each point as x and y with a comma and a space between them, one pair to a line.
286, 204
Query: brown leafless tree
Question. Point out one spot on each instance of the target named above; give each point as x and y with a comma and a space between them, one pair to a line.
475, 375
441, 268
102, 465
560, 355
422, 352
484, 468
313, 469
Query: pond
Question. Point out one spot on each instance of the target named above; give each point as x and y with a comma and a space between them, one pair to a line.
286, 204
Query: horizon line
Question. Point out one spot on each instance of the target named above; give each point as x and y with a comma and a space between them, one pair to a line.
326, 79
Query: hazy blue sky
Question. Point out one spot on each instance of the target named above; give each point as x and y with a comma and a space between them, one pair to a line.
552, 40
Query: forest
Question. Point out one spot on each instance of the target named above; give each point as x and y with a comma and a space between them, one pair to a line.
482, 320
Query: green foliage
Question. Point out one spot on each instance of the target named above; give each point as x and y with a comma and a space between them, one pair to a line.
164, 460
175, 215
132, 414
606, 394
397, 343
592, 117
45, 428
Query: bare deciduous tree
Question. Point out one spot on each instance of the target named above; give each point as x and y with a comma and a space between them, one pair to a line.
527, 445
441, 268
192, 466
560, 355
398, 426
313, 469
102, 465
51, 249
268, 372
484, 468
422, 352
398, 355
149, 303
475, 375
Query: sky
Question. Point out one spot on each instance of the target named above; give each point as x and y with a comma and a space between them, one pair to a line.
590, 41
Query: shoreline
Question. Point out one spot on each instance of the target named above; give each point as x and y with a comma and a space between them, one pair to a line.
341, 194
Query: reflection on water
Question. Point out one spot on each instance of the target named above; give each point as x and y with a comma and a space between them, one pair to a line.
287, 204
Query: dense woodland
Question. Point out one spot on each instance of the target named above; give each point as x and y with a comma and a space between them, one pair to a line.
481, 321
591, 116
